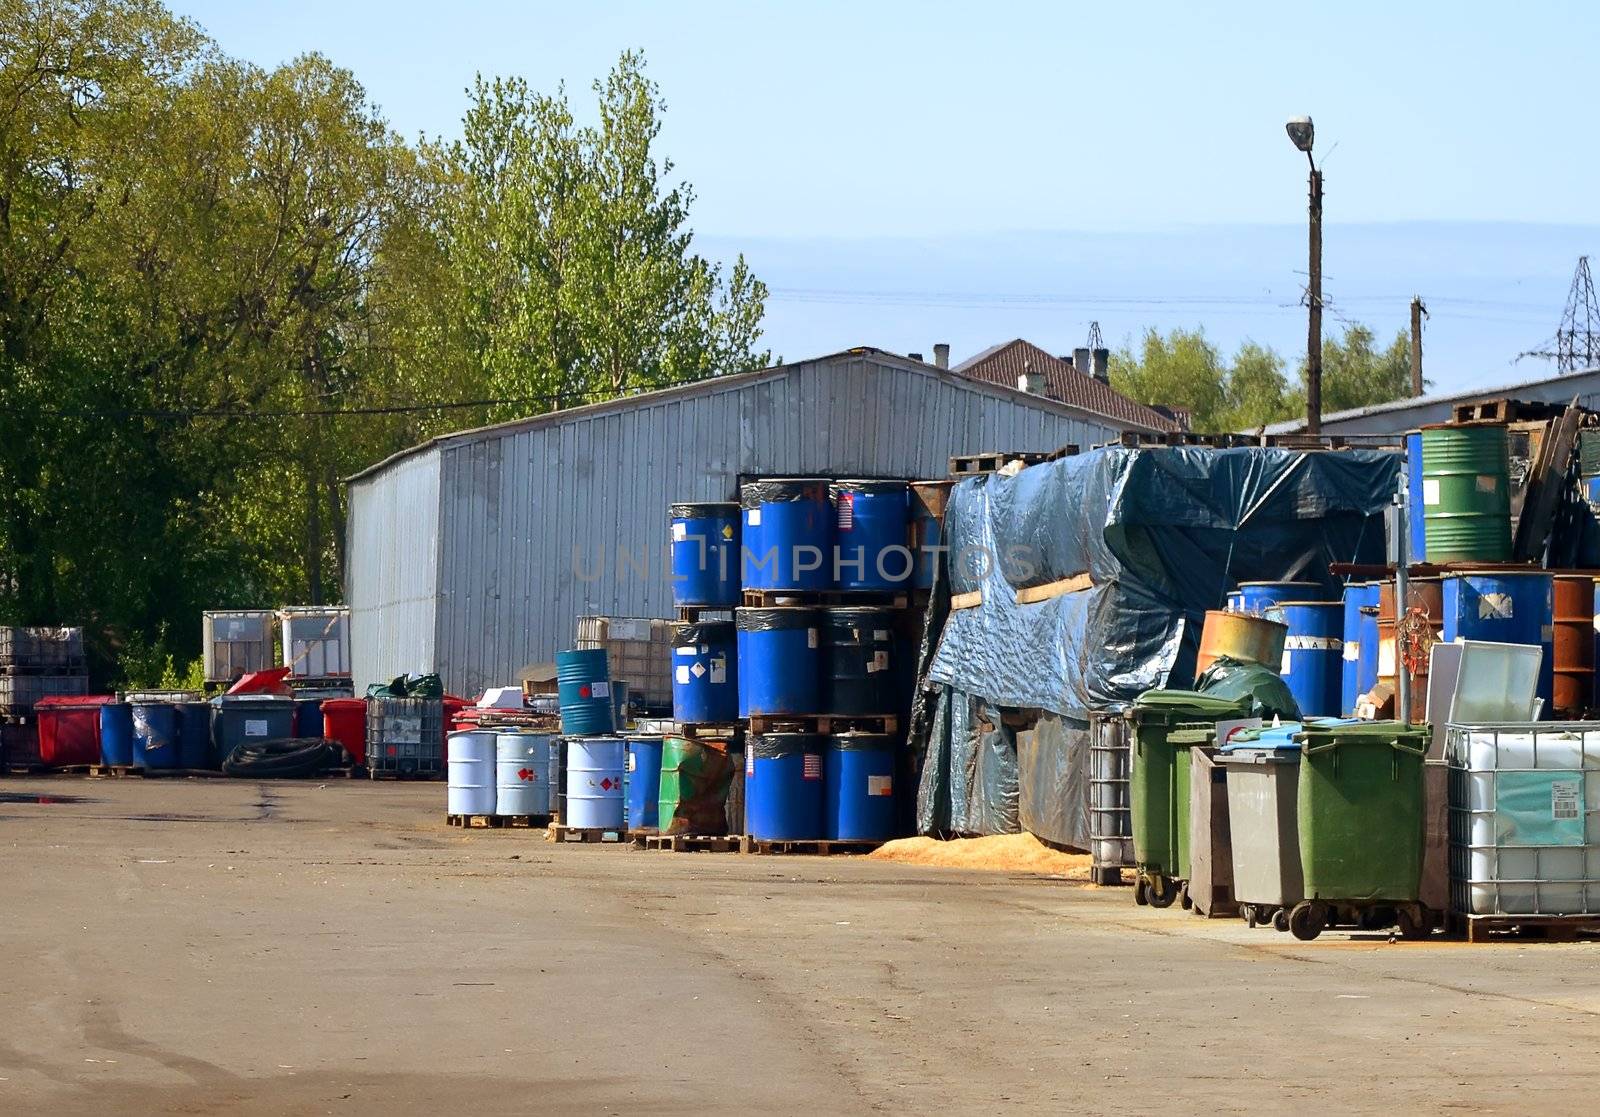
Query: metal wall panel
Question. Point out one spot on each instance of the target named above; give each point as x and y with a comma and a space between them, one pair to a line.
392, 571
543, 522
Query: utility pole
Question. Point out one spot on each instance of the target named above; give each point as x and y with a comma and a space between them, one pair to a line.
1302, 135
1417, 311
1314, 317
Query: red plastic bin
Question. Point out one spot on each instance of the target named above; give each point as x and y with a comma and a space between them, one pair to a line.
345, 720
69, 728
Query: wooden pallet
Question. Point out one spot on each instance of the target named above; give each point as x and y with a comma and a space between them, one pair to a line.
498, 821
107, 771
824, 723
586, 835
1504, 410
992, 461
1545, 928
690, 614
827, 599
711, 732
689, 843
815, 847
379, 774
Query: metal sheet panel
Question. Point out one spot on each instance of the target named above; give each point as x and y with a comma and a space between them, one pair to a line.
392, 573
545, 521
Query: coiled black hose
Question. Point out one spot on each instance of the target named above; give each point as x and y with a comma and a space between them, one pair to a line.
291, 758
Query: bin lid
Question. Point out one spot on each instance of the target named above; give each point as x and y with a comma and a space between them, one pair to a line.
1188, 705
252, 700
1355, 731
1266, 737
73, 701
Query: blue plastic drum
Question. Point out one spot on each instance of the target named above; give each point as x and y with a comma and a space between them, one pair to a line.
1513, 608
870, 520
787, 535
641, 782
194, 735
1313, 655
155, 736
779, 661
1416, 510
116, 734
1356, 595
1262, 598
705, 673
705, 554
783, 786
858, 787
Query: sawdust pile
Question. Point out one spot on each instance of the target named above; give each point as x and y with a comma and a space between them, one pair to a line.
1001, 853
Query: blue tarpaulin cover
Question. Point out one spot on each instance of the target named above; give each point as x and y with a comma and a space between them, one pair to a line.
1161, 534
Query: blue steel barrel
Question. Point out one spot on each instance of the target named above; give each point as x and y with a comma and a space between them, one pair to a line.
869, 525
779, 661
641, 782
1313, 655
1235, 602
928, 501
1367, 660
1356, 595
116, 734
783, 786
155, 735
788, 534
705, 673
1258, 598
583, 687
861, 674
1508, 608
308, 717
1416, 508
194, 735
858, 787
705, 554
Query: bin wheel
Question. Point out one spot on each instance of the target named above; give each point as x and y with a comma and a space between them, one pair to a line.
1280, 919
1141, 892
1413, 922
1184, 898
1249, 913
1307, 920
1162, 891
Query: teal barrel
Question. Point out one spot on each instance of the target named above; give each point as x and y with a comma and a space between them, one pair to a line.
583, 686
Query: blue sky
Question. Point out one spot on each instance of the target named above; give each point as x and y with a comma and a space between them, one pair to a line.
906, 173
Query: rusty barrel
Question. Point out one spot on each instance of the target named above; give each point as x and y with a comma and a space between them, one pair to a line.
1574, 644
1240, 636
1427, 596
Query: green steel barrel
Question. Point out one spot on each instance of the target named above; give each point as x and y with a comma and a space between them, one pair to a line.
1466, 494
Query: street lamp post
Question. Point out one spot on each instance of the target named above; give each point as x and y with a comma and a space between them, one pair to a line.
1302, 133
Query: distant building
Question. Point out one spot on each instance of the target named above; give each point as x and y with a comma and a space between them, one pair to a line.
474, 554
1402, 415
1080, 380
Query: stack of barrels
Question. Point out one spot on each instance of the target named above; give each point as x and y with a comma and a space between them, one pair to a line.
816, 661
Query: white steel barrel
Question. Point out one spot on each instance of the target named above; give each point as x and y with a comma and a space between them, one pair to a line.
522, 774
594, 782
470, 789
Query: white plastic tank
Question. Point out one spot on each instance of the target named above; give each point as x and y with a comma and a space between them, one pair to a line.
1525, 806
470, 789
594, 782
522, 774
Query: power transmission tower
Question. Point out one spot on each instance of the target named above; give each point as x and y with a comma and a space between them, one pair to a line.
1577, 343
1095, 340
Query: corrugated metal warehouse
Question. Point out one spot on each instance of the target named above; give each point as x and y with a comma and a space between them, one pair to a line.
1402, 415
473, 555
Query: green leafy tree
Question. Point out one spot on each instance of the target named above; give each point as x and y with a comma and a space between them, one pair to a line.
1257, 391
1356, 374
1180, 369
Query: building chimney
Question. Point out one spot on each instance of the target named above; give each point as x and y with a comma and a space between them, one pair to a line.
1102, 365
1030, 381
1081, 362
941, 354
1066, 359
915, 356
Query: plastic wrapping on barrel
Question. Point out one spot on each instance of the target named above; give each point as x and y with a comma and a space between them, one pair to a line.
695, 778
1269, 695
155, 735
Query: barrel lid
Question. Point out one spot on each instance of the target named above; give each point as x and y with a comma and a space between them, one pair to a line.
1310, 604
868, 485
771, 618
780, 490
690, 508
1276, 582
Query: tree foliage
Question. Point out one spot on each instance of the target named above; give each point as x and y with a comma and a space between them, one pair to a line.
224, 288
1184, 369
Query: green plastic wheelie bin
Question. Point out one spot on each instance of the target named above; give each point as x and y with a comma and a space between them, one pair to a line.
1361, 825
1165, 723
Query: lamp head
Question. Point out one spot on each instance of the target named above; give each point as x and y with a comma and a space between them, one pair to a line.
1302, 132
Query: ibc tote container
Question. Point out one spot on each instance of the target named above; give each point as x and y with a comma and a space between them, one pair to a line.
316, 642
237, 642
